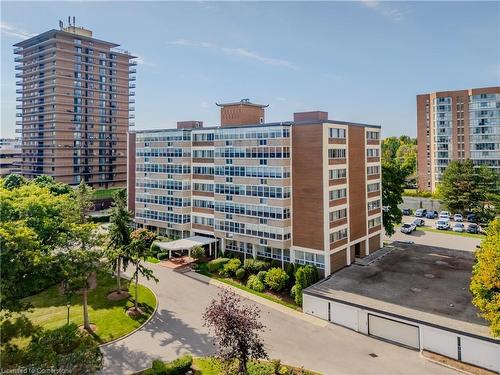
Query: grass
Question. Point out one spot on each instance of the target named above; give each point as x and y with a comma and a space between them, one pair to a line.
112, 322
105, 193
213, 366
152, 260
203, 269
463, 234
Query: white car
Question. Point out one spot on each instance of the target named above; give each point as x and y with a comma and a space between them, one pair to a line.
443, 224
458, 217
444, 215
459, 227
408, 228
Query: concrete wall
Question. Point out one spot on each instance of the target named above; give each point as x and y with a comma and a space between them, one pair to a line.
475, 351
417, 202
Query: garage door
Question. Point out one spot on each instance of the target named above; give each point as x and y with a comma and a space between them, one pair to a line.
398, 332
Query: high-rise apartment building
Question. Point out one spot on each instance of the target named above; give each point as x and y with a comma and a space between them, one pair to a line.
75, 107
10, 154
457, 125
306, 191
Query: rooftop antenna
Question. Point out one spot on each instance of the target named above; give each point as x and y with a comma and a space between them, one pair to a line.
74, 24
69, 20
61, 24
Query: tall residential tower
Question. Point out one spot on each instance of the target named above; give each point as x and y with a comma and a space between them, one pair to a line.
75, 107
457, 125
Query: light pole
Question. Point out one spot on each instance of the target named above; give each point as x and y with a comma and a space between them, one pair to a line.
68, 305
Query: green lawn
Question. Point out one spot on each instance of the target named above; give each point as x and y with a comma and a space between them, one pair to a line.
152, 260
105, 193
50, 309
464, 234
203, 269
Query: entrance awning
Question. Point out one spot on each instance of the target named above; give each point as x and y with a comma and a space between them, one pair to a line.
186, 243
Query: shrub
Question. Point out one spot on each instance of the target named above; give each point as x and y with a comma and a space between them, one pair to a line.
179, 366
276, 279
158, 367
240, 273
290, 271
262, 276
217, 264
255, 284
293, 291
304, 277
197, 252
255, 266
230, 267
162, 256
155, 249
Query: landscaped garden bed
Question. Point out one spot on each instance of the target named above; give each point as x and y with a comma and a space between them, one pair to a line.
107, 314
261, 278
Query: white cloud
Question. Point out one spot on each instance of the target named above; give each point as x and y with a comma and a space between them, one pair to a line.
235, 51
387, 9
11, 30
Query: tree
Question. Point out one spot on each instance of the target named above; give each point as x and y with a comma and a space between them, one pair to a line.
137, 252
403, 152
393, 178
304, 276
13, 181
63, 350
465, 188
236, 327
119, 235
56, 188
197, 252
485, 282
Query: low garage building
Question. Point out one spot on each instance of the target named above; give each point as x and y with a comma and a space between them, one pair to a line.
411, 295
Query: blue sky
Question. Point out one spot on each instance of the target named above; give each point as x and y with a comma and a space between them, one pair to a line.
360, 61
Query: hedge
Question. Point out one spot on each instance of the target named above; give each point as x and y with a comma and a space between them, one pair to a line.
179, 366
255, 284
255, 266
217, 264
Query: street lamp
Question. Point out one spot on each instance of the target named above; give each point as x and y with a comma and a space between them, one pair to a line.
68, 305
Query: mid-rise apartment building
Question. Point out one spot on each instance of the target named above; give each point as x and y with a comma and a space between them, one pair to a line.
75, 107
10, 154
457, 125
306, 191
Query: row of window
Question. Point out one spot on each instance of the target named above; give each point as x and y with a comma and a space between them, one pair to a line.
163, 184
265, 172
373, 187
203, 170
338, 214
302, 257
209, 188
338, 235
370, 135
372, 152
336, 133
163, 200
374, 222
163, 152
168, 217
336, 153
373, 205
336, 174
201, 220
268, 212
164, 136
253, 152
253, 133
164, 168
373, 170
253, 191
255, 230
337, 194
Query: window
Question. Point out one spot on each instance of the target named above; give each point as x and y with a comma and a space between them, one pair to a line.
336, 153
373, 187
374, 222
336, 133
373, 170
373, 205
338, 215
338, 194
336, 174
338, 235
262, 142
372, 135
263, 162
372, 152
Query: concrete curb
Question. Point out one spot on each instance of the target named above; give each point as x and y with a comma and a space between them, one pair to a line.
138, 328
263, 301
443, 364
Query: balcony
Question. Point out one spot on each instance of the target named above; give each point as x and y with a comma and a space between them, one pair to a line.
132, 71
19, 91
131, 86
18, 49
132, 63
131, 93
131, 115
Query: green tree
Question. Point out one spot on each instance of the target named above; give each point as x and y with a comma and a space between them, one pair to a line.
485, 282
393, 178
197, 252
465, 188
56, 188
119, 235
138, 251
13, 181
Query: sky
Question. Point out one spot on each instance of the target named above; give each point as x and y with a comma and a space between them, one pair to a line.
360, 61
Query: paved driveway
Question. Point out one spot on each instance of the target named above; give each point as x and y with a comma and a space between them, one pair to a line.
177, 328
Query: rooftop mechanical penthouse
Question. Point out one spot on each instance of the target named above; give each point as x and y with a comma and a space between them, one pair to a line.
75, 106
306, 191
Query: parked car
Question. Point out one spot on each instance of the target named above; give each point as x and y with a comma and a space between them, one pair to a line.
421, 212
443, 224
407, 211
444, 215
407, 228
473, 228
431, 214
458, 217
419, 222
459, 227
471, 218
